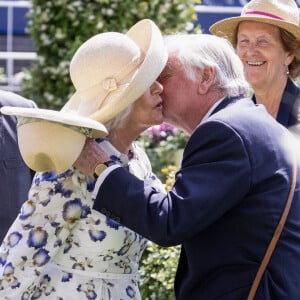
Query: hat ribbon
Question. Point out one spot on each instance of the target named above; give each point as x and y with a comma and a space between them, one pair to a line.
110, 83
113, 80
88, 132
257, 12
87, 107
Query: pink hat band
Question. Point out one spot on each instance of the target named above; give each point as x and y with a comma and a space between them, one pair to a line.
281, 13
257, 12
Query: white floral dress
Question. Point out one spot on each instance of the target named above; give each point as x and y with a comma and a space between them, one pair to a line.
60, 248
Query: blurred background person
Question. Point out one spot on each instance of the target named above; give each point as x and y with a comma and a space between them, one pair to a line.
267, 40
15, 176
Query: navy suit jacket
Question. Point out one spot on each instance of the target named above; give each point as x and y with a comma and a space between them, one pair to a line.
15, 176
224, 207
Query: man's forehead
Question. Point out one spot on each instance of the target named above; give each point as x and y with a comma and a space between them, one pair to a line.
172, 64
166, 73
168, 67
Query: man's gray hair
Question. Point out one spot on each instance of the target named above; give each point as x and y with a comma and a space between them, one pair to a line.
198, 51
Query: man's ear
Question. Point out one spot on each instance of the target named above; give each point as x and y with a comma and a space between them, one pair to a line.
207, 77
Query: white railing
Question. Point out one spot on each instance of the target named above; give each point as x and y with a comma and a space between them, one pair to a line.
219, 9
10, 82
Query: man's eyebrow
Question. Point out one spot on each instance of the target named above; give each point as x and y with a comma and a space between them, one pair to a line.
166, 72
168, 67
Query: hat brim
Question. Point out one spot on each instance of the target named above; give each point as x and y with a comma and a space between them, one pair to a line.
97, 129
227, 28
49, 146
148, 37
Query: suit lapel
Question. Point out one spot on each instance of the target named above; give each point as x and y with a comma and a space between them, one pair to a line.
225, 102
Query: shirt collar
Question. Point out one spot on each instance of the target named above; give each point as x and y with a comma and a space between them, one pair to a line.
211, 110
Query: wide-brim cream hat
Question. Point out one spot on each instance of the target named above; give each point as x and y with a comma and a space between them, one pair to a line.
281, 13
51, 140
109, 71
112, 70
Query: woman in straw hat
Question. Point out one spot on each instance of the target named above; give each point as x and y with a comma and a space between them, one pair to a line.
267, 40
59, 247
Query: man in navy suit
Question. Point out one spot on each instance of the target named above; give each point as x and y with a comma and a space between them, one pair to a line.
15, 176
230, 190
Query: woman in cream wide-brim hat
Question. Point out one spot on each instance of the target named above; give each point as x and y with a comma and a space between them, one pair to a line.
105, 85
267, 39
59, 247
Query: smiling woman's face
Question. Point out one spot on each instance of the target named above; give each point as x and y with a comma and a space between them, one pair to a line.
260, 48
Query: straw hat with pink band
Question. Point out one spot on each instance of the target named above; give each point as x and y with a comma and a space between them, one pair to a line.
281, 13
109, 71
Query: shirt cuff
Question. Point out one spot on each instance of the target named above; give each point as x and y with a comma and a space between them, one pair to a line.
102, 177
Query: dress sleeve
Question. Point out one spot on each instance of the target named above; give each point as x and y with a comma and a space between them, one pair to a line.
54, 205
150, 179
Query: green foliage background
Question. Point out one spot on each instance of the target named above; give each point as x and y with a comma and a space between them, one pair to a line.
58, 28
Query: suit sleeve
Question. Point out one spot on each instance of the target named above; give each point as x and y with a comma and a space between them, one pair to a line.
215, 175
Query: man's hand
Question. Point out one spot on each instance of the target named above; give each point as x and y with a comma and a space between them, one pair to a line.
90, 156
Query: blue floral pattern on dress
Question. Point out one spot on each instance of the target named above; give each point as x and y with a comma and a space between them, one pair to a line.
60, 248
